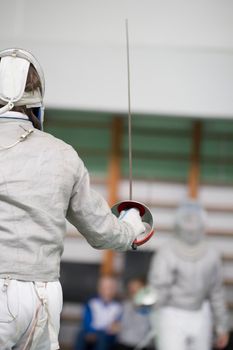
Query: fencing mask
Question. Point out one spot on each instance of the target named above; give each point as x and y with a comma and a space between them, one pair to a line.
14, 68
190, 222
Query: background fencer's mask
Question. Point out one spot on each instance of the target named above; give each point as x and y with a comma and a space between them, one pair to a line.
14, 67
190, 222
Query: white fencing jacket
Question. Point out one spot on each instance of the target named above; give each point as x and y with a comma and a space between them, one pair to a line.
43, 182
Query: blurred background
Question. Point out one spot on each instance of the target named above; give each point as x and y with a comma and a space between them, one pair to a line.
181, 69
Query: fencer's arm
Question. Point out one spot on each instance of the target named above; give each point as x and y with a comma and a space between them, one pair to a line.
161, 275
90, 214
217, 299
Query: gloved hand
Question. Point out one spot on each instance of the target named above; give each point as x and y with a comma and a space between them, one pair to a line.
132, 217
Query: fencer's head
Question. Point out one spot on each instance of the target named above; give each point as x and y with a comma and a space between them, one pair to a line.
22, 84
190, 222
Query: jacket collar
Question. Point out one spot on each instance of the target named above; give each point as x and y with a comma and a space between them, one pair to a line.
13, 115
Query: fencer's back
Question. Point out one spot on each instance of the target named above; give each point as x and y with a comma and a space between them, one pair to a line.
36, 181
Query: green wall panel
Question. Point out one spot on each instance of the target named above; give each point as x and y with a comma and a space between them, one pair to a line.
161, 145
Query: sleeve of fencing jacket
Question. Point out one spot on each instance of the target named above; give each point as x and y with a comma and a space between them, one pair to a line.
90, 214
161, 276
217, 298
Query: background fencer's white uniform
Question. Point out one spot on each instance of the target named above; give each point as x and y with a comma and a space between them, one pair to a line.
43, 181
188, 281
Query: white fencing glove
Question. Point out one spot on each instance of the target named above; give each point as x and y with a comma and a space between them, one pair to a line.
132, 217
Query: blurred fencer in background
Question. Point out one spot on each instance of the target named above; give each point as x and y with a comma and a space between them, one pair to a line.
190, 311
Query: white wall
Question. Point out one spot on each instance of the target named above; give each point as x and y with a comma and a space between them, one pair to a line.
181, 52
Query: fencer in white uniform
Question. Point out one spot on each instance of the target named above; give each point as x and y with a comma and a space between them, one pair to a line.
186, 275
42, 182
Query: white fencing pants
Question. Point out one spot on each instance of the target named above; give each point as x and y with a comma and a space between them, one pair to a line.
178, 329
29, 315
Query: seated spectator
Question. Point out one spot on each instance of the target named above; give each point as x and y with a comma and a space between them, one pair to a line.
101, 318
135, 322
